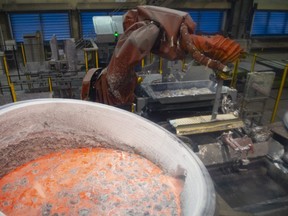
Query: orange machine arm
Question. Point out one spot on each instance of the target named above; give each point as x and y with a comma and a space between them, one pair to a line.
165, 32
118, 81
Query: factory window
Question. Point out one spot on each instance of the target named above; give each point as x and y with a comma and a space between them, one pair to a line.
87, 27
47, 23
208, 21
267, 23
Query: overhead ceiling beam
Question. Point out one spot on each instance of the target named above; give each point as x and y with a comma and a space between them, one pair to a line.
212, 4
87, 5
36, 7
201, 4
108, 5
163, 3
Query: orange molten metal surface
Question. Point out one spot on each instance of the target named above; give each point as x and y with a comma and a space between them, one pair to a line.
89, 182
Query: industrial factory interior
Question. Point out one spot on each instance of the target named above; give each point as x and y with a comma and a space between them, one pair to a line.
144, 107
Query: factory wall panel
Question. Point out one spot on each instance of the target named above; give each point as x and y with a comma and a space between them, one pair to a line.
55, 23
270, 23
22, 24
271, 5
47, 23
4, 24
60, 5
208, 21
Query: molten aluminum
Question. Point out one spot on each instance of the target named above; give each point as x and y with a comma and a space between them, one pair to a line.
84, 181
50, 151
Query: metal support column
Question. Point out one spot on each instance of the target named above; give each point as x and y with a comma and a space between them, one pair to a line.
235, 74
96, 59
13, 93
86, 60
183, 65
133, 107
253, 62
279, 94
160, 65
217, 99
6, 70
50, 84
23, 54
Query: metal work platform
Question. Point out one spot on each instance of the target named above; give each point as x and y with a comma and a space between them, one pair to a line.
257, 67
204, 124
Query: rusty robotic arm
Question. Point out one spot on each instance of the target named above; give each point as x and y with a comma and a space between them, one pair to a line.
165, 32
